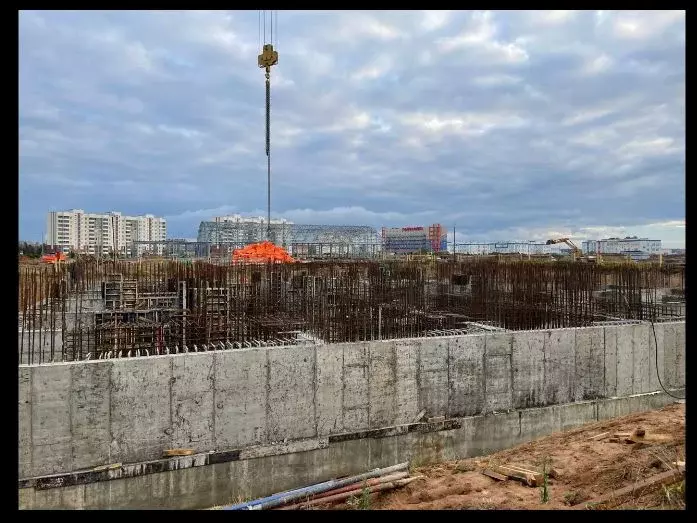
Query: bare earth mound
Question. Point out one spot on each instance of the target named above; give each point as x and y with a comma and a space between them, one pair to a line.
587, 469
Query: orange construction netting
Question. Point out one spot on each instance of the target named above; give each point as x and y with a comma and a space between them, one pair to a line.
261, 253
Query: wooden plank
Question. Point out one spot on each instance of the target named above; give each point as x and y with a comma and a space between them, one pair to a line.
494, 475
177, 452
618, 496
599, 436
539, 476
526, 477
536, 475
622, 435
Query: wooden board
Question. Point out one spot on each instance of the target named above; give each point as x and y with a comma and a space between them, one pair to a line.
495, 475
529, 478
177, 452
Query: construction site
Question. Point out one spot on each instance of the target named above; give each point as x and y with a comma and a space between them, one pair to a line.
261, 375
96, 310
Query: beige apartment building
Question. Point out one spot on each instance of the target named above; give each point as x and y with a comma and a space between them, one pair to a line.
103, 233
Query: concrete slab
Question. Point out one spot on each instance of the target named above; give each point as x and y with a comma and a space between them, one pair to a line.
498, 372
560, 366
590, 363
382, 383
498, 383
27, 498
610, 357
625, 359
499, 343
433, 376
537, 422
240, 398
528, 357
642, 368
329, 391
466, 376
50, 420
193, 386
669, 377
291, 399
48, 498
658, 331
494, 432
680, 348
576, 414
24, 407
355, 391
406, 387
141, 424
192, 488
90, 414
383, 452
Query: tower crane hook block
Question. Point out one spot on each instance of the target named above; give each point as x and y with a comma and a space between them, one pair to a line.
268, 56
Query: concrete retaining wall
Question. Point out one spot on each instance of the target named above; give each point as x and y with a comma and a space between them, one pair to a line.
187, 485
80, 415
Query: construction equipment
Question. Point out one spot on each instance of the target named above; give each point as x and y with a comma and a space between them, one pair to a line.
575, 251
267, 59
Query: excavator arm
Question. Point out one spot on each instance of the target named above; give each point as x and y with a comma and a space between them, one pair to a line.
576, 251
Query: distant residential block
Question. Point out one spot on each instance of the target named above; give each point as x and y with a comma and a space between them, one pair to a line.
102, 233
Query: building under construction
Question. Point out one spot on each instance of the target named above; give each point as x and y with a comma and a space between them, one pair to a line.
93, 309
239, 231
417, 239
226, 233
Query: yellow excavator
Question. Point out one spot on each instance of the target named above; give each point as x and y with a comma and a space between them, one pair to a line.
575, 251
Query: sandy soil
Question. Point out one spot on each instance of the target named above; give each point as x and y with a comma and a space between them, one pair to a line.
587, 468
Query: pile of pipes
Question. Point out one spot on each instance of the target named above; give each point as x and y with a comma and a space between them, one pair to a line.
333, 491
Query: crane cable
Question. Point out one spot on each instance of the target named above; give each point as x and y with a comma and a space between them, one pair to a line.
262, 14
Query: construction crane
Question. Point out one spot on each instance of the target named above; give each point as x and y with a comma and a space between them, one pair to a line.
575, 251
267, 59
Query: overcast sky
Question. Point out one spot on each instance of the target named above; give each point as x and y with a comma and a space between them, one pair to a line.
509, 124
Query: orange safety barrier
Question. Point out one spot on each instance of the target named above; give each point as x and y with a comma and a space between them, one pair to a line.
261, 253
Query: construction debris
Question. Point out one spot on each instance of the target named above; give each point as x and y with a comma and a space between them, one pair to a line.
598, 437
356, 490
530, 478
616, 497
310, 492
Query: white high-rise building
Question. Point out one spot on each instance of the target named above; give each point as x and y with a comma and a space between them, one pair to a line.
102, 234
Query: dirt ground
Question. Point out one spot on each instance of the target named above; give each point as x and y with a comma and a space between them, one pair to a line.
587, 469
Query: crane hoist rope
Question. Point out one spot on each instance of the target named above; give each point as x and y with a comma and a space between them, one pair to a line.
267, 59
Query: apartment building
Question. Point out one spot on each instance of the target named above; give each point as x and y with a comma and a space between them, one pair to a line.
626, 245
103, 233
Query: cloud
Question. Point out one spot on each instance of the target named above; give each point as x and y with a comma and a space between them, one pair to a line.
505, 123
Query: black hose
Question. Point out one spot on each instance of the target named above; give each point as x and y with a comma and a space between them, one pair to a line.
658, 375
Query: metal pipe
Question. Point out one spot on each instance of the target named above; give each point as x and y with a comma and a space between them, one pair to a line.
291, 495
354, 486
388, 485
